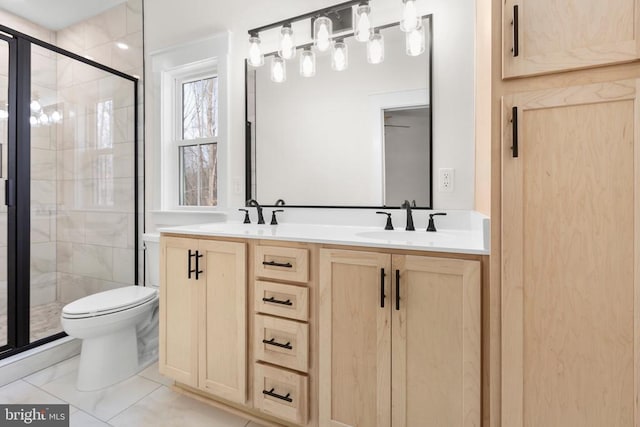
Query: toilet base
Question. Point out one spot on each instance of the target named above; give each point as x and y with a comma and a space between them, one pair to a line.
108, 359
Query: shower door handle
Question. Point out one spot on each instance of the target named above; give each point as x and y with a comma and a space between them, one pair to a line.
9, 193
1, 163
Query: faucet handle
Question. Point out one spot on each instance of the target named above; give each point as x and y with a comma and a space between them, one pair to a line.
274, 220
432, 225
247, 220
389, 225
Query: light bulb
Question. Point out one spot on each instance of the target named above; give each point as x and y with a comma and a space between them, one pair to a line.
375, 49
363, 23
308, 63
56, 116
415, 41
33, 121
322, 28
256, 58
287, 43
278, 70
35, 106
43, 119
339, 58
410, 20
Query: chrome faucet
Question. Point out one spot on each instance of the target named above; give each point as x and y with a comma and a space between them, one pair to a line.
407, 205
255, 204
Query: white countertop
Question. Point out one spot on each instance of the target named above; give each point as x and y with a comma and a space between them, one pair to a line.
463, 241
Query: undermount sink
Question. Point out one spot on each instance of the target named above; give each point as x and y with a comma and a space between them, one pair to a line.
419, 236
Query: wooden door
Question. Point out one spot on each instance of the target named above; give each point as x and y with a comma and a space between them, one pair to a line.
569, 34
223, 320
570, 227
178, 311
355, 340
435, 342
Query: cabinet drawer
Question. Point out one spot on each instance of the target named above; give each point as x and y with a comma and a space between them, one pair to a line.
276, 262
282, 342
282, 300
281, 393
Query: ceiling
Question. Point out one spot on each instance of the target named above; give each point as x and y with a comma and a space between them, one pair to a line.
57, 14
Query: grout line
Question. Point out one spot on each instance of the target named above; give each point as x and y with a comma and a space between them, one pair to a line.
136, 402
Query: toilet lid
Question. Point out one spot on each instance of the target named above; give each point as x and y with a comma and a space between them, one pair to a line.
109, 301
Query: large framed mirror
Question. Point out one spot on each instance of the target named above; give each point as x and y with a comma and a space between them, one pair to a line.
361, 137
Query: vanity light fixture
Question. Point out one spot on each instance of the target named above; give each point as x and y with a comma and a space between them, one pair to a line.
415, 41
375, 48
43, 119
56, 116
339, 56
287, 43
256, 57
35, 106
308, 63
278, 69
322, 32
364, 29
33, 121
410, 19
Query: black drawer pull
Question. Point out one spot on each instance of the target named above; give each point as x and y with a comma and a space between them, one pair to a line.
191, 270
273, 342
277, 301
198, 271
516, 29
277, 264
382, 296
277, 396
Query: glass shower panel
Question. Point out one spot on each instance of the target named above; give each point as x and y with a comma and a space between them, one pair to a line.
4, 130
82, 185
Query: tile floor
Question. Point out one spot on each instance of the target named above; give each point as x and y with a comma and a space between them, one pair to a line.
143, 400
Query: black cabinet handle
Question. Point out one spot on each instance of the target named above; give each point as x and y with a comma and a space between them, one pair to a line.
277, 396
514, 128
198, 271
277, 264
516, 36
191, 270
273, 342
277, 301
382, 296
397, 289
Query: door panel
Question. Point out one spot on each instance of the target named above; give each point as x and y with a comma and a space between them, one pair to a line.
570, 284
4, 140
355, 332
563, 35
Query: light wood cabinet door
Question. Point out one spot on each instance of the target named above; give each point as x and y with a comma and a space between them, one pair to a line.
223, 320
355, 339
178, 312
569, 34
570, 264
435, 342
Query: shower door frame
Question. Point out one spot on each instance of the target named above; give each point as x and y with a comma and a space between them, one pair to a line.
18, 185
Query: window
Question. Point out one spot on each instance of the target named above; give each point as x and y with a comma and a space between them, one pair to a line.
197, 141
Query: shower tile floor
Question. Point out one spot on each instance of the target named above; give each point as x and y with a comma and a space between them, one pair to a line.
143, 400
45, 321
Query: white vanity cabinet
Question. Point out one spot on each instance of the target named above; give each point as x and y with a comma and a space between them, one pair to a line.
399, 340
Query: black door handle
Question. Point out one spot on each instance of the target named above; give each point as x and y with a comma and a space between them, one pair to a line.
273, 342
397, 289
382, 296
277, 301
278, 396
198, 271
277, 264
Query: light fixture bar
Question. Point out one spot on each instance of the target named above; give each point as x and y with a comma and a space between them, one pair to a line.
313, 14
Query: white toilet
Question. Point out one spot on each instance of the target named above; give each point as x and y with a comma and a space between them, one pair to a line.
108, 324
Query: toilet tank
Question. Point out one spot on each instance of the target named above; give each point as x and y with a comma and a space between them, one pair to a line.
152, 259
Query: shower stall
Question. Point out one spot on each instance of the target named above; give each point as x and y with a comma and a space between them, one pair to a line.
68, 186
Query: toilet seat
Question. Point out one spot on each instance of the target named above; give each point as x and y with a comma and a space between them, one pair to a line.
109, 302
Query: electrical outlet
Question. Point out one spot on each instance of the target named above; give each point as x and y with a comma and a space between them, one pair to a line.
445, 181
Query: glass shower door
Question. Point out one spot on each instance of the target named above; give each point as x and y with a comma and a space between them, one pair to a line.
4, 139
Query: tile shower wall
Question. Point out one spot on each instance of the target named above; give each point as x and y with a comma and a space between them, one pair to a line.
82, 169
95, 161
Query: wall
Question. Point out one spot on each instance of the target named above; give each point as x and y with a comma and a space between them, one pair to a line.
172, 23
